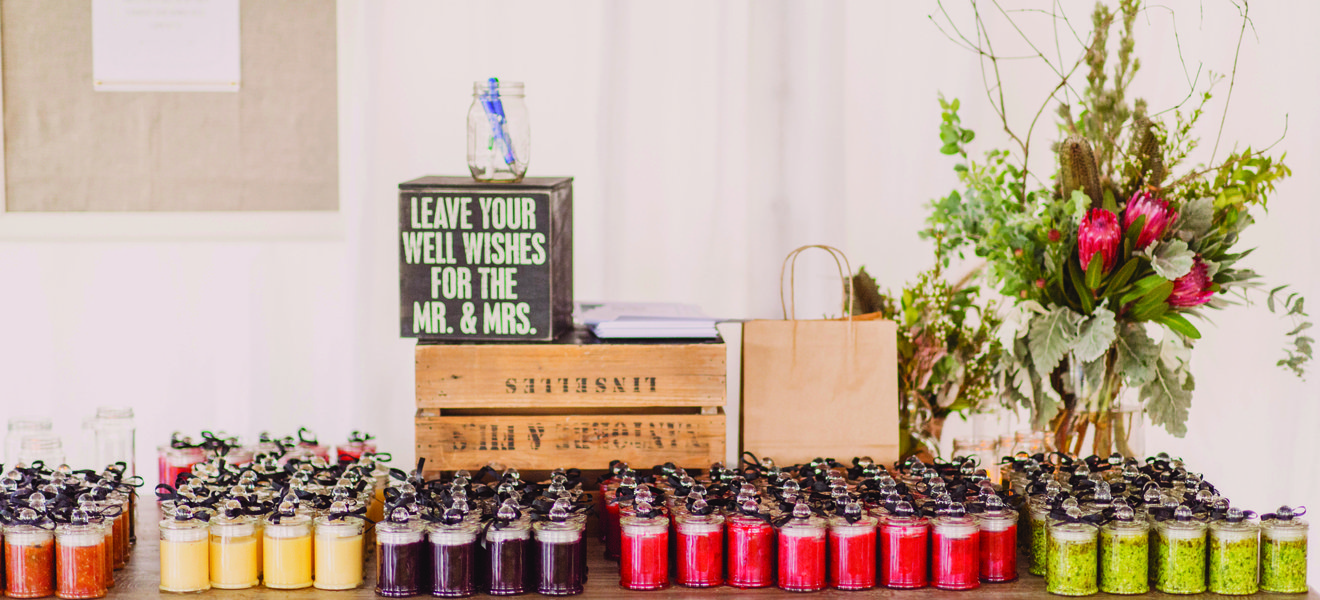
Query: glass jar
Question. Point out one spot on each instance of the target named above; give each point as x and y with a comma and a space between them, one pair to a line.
1283, 551
177, 461
1038, 516
751, 552
1234, 554
114, 434
107, 550
998, 552
904, 539
499, 138
559, 550
80, 560
287, 550
20, 428
1071, 559
615, 507
121, 528
235, 552
402, 562
453, 556
699, 546
955, 551
507, 550
802, 552
1182, 554
184, 560
644, 549
29, 561
337, 549
852, 559
45, 448
1124, 554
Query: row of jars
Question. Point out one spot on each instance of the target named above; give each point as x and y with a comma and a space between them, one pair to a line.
64, 535
1166, 528
766, 528
807, 552
183, 452
464, 537
1234, 555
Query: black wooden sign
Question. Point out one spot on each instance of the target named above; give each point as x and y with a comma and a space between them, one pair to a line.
484, 262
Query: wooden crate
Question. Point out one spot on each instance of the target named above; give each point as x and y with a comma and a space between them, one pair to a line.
579, 403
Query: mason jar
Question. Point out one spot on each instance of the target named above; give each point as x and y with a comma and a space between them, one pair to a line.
1181, 554
1124, 554
1283, 551
499, 135
1071, 559
1234, 554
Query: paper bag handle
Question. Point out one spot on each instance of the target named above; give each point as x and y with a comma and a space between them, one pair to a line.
790, 266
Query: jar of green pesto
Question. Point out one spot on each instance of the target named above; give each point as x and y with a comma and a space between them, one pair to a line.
1072, 557
1283, 551
1124, 553
1181, 554
1234, 547
1038, 515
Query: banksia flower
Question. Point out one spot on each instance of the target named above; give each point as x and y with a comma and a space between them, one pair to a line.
1098, 234
1078, 171
1192, 289
1149, 155
1157, 213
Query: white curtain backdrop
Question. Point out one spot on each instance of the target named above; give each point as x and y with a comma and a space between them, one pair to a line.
707, 139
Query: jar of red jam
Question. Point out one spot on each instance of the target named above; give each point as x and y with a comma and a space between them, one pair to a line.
751, 548
852, 549
955, 550
29, 558
904, 547
614, 506
644, 549
700, 546
998, 525
79, 559
606, 488
802, 553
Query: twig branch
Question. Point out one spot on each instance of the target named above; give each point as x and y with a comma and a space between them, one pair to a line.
1233, 77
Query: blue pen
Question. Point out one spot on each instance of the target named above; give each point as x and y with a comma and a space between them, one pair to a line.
490, 101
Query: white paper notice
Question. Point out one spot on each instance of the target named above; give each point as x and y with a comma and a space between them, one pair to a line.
165, 45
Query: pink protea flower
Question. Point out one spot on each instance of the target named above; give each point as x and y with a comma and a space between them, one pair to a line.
1192, 289
1098, 233
1157, 213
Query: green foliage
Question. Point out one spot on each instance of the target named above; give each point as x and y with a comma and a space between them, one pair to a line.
1112, 149
947, 350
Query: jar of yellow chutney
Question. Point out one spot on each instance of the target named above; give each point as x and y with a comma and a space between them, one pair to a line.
287, 549
338, 548
184, 564
235, 549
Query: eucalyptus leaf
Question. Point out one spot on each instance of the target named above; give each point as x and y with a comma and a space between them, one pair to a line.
1167, 400
1095, 335
1051, 336
1195, 217
1137, 354
1172, 259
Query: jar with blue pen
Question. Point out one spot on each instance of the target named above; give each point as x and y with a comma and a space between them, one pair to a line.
499, 135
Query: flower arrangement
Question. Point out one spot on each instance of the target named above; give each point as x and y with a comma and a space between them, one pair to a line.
947, 351
1110, 263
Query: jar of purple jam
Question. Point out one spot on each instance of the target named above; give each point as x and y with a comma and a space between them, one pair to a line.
560, 565
506, 552
403, 562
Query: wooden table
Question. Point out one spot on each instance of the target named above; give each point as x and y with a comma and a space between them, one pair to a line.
142, 576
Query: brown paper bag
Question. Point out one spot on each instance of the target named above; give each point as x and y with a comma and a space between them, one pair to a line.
820, 388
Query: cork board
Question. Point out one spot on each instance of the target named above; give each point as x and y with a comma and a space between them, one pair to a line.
273, 146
